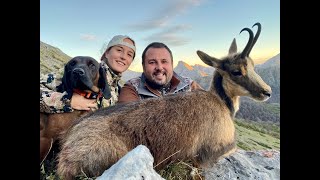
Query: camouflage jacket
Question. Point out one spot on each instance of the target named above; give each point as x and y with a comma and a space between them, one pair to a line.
54, 102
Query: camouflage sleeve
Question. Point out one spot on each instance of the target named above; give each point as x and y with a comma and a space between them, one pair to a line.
50, 100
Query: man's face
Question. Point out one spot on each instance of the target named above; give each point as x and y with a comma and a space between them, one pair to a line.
158, 67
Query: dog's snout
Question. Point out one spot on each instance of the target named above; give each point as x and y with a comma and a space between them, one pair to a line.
78, 71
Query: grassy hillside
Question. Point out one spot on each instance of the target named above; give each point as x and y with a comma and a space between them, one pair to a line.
259, 111
256, 136
52, 59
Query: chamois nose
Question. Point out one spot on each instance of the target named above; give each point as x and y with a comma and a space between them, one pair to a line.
78, 71
267, 93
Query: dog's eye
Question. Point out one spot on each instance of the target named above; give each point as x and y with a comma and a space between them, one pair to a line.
72, 63
92, 66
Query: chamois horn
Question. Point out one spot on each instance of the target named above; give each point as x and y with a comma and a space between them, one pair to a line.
246, 50
255, 36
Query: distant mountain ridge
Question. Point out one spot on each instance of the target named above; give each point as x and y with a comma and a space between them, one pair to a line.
206, 69
274, 61
193, 72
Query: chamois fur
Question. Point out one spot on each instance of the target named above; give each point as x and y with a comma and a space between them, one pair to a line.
194, 125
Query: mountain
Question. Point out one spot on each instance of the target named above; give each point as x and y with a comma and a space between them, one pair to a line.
201, 74
206, 69
185, 69
274, 61
259, 111
52, 59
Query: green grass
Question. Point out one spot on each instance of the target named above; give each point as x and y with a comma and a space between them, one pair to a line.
181, 171
48, 172
252, 136
273, 107
52, 59
265, 128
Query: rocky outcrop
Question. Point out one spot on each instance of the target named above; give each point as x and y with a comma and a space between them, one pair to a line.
241, 165
247, 165
135, 165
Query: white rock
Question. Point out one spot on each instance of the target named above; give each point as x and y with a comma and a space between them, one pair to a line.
135, 165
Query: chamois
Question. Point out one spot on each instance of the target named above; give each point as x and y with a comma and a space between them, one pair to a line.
194, 125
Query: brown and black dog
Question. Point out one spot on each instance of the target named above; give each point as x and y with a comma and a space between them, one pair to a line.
82, 75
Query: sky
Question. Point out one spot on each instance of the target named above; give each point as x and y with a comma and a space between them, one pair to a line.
82, 27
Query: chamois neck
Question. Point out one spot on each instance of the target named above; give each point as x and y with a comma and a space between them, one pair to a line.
217, 86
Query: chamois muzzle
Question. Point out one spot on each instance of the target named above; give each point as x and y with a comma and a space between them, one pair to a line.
264, 94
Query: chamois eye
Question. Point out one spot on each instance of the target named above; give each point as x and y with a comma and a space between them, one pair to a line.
236, 73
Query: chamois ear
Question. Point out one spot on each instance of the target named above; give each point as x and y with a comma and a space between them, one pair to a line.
209, 60
233, 47
103, 84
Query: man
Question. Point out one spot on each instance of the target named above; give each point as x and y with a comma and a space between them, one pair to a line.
158, 78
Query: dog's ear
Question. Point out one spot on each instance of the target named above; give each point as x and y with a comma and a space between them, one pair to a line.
103, 84
66, 83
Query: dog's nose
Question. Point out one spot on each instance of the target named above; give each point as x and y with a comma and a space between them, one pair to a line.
78, 71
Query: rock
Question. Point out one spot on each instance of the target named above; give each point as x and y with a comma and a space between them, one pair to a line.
247, 165
135, 165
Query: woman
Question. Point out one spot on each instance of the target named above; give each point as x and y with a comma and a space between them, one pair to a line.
116, 58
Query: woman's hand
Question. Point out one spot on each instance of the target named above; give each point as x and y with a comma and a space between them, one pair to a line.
79, 102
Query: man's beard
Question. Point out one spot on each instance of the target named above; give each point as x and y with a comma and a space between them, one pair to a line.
155, 85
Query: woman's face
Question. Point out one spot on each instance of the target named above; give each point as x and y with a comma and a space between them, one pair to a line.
120, 57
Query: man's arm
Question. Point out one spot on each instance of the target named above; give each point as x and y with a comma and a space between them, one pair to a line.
128, 94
